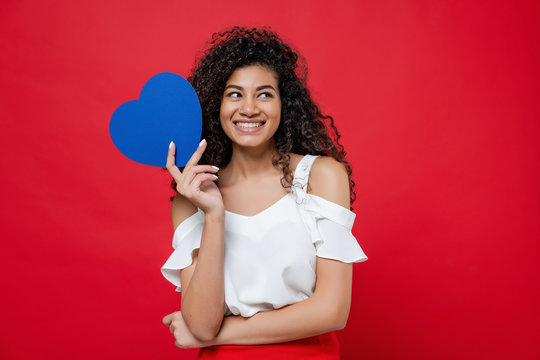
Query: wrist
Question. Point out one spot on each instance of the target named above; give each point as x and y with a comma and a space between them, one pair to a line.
215, 215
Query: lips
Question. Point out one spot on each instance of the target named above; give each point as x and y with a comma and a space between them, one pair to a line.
249, 124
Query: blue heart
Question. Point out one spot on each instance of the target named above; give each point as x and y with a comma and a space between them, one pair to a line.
168, 109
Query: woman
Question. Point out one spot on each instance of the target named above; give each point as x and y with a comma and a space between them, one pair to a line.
263, 255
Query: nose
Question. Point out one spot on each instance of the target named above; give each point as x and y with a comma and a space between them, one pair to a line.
248, 107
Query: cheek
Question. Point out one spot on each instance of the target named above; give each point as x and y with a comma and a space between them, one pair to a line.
222, 110
276, 111
224, 113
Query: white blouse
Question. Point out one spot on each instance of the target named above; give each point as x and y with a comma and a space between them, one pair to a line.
270, 257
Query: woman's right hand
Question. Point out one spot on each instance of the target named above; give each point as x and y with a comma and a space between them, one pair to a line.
196, 182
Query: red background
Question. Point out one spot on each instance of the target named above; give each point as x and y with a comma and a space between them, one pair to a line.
438, 105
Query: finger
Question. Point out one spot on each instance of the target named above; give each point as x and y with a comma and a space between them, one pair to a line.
194, 160
193, 171
171, 166
167, 320
205, 168
200, 178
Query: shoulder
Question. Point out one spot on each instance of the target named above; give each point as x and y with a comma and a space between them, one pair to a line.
328, 179
181, 209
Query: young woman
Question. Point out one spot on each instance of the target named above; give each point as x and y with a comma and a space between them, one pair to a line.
263, 255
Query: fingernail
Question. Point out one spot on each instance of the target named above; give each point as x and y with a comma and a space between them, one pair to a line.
215, 177
170, 144
215, 167
202, 142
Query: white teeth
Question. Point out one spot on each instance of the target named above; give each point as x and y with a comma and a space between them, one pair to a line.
248, 124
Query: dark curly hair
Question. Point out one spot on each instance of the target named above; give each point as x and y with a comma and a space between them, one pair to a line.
303, 129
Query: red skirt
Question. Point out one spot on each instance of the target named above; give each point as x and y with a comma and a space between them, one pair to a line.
321, 347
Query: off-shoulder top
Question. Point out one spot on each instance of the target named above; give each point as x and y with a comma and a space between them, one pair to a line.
270, 257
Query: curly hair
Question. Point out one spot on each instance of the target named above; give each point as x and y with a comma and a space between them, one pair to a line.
303, 129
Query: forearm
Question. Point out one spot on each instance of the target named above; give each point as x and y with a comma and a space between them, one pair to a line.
326, 310
203, 297
304, 319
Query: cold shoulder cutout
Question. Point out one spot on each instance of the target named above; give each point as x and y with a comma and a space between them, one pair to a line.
329, 224
328, 179
270, 258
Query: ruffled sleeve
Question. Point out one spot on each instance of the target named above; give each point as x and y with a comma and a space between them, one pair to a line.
330, 226
187, 238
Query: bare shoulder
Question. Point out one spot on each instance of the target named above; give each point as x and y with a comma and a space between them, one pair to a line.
181, 209
329, 179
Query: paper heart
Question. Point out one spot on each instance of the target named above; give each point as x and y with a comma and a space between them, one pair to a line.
168, 109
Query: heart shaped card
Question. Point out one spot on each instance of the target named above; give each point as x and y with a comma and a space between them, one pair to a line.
168, 109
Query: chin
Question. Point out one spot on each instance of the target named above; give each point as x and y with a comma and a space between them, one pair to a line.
252, 141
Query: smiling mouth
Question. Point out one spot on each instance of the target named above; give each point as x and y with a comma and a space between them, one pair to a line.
249, 124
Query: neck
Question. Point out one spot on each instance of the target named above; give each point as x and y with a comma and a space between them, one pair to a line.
250, 162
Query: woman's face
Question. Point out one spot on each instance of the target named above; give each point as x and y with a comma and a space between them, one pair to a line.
251, 106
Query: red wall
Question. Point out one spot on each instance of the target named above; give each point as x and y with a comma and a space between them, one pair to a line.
438, 105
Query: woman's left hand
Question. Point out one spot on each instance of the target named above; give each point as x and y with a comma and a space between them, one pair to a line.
184, 339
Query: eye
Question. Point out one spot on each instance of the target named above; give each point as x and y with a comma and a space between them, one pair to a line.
234, 94
265, 95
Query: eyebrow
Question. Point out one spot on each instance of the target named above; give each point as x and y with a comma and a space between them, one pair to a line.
257, 89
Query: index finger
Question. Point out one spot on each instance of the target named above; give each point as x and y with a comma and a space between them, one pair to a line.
194, 160
171, 166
